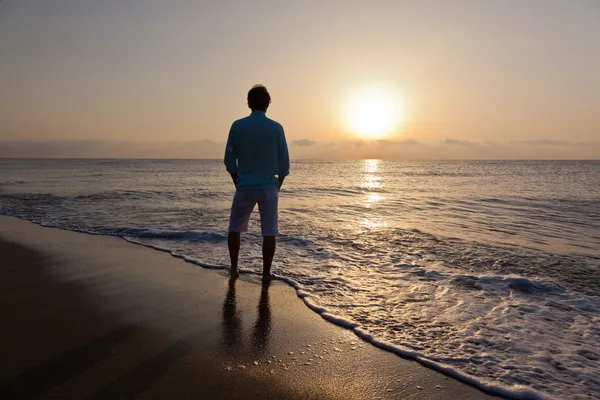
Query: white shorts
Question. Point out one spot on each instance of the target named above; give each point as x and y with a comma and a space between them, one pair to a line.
243, 204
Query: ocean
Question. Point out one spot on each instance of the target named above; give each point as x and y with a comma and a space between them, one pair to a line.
487, 270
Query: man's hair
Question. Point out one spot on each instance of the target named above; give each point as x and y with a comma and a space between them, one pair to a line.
259, 98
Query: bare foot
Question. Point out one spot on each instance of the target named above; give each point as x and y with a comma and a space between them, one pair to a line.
234, 272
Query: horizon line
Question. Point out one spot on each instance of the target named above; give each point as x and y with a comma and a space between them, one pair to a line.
304, 159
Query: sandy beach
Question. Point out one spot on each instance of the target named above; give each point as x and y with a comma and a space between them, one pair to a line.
87, 316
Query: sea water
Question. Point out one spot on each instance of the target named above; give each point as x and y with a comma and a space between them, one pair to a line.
487, 270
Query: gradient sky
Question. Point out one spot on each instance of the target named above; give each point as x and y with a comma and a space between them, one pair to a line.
479, 79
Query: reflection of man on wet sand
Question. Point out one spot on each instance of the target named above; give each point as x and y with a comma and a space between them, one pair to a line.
257, 158
233, 324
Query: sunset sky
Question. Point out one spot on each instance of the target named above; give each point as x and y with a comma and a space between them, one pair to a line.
149, 78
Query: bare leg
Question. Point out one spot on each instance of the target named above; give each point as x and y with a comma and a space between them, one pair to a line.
268, 251
233, 241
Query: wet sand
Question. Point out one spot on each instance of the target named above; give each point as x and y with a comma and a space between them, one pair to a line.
87, 316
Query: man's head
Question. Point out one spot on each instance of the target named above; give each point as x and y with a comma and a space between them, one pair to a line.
259, 98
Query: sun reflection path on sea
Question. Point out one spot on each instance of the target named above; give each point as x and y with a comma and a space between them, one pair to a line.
372, 183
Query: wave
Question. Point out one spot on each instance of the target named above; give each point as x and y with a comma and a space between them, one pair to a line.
12, 183
114, 195
169, 195
330, 192
146, 233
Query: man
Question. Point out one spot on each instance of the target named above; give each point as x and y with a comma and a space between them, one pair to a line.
257, 158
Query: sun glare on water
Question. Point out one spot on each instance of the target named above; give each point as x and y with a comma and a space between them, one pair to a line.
373, 112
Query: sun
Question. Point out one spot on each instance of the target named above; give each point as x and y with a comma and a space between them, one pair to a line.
373, 112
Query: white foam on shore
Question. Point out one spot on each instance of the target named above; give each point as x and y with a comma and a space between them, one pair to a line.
515, 392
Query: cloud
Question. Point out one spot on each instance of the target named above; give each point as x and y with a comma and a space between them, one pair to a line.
453, 142
405, 142
543, 142
110, 149
304, 143
548, 142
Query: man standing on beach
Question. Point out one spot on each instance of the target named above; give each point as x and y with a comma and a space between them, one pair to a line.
256, 157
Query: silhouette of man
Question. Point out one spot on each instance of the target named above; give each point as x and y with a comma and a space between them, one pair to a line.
257, 158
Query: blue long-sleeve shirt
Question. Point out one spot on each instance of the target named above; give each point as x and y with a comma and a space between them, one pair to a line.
257, 151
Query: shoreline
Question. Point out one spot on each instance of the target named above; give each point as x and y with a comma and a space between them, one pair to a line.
103, 302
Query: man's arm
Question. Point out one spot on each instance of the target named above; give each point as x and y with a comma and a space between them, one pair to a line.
284, 159
234, 178
231, 157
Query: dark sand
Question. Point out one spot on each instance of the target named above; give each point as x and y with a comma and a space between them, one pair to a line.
96, 317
